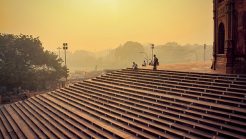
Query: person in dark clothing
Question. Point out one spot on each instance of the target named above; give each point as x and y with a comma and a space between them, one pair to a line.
155, 63
134, 66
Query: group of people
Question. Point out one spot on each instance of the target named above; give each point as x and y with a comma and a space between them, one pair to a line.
154, 63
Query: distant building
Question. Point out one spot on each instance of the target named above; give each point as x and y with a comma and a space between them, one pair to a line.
230, 36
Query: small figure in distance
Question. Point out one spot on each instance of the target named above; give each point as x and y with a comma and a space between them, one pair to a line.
150, 63
134, 66
144, 64
155, 63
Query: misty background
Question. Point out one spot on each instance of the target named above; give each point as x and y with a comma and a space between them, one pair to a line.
125, 54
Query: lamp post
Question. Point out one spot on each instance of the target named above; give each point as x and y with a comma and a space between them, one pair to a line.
204, 53
152, 47
65, 52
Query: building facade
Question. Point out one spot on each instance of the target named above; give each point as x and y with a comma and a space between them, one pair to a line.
229, 36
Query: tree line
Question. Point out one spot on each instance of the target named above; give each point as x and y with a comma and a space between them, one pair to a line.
25, 64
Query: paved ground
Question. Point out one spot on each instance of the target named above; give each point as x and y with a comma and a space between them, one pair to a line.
203, 67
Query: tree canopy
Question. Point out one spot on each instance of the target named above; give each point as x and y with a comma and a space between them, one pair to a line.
24, 63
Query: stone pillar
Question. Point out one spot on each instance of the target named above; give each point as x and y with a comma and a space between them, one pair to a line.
230, 46
215, 34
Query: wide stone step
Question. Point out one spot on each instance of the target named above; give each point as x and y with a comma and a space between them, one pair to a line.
78, 129
134, 104
166, 86
150, 126
16, 130
154, 97
215, 91
181, 97
134, 115
188, 122
63, 132
85, 126
87, 114
208, 85
208, 75
9, 130
95, 122
35, 121
70, 131
56, 132
115, 99
24, 121
222, 82
24, 128
187, 76
3, 130
138, 112
111, 118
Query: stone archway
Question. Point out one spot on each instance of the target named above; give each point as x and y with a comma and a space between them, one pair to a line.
221, 39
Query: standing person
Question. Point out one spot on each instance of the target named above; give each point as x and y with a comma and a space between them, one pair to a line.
155, 63
134, 66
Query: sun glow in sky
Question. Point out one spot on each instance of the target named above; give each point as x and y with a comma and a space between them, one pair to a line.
103, 24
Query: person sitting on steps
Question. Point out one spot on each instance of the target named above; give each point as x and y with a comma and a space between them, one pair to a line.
144, 64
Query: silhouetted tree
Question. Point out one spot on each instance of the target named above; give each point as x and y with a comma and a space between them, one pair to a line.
24, 63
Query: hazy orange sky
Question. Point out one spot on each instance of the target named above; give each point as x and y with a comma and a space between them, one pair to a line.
96, 25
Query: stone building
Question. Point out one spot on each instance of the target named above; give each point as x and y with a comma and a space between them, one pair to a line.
229, 36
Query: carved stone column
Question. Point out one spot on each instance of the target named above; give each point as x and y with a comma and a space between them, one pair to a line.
229, 49
215, 34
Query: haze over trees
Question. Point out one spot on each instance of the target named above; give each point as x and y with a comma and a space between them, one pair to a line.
124, 55
24, 63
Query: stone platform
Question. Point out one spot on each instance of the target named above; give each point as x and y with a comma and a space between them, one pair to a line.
200, 67
134, 104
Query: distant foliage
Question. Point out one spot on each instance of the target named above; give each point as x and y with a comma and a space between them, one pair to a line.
124, 55
174, 53
25, 64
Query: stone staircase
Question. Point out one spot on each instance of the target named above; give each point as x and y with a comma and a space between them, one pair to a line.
134, 104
